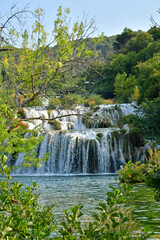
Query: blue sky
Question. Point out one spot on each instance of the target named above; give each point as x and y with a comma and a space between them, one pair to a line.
111, 16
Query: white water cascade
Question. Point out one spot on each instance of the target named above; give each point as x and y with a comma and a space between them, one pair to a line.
78, 149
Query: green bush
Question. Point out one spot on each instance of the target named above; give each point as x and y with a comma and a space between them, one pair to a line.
153, 172
149, 172
72, 99
132, 172
97, 99
25, 218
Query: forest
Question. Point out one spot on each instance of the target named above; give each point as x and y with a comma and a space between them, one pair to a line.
69, 67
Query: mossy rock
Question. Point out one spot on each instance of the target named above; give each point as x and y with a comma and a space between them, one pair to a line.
100, 135
49, 112
96, 108
123, 130
69, 126
118, 109
93, 156
56, 124
135, 138
87, 120
104, 123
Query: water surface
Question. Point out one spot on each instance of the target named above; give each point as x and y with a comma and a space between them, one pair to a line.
89, 190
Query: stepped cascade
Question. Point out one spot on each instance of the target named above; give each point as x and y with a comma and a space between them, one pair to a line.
85, 142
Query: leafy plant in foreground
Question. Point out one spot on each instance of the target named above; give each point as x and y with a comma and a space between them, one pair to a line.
112, 221
132, 172
153, 172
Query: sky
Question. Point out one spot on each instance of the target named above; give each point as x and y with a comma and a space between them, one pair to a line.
111, 16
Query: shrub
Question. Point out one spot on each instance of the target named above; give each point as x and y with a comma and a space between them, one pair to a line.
153, 172
132, 172
26, 219
89, 103
108, 101
22, 217
149, 172
72, 99
112, 221
96, 98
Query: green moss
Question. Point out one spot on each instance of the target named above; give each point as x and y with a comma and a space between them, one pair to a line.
110, 110
69, 126
49, 112
86, 143
92, 156
118, 109
86, 116
87, 120
104, 123
56, 124
135, 138
122, 130
116, 134
100, 135
96, 108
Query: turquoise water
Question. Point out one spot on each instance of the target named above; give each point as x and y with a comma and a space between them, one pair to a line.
65, 191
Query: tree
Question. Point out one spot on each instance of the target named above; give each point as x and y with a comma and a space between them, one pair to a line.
31, 69
8, 32
124, 86
123, 38
155, 32
148, 78
139, 42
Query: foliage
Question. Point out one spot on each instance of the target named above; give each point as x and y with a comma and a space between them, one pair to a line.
136, 94
147, 121
132, 172
54, 102
56, 124
108, 101
124, 86
155, 32
21, 216
153, 172
72, 99
140, 41
28, 72
16, 138
149, 172
123, 38
94, 99
132, 69
111, 222
36, 102
149, 77
34, 67
104, 46
26, 219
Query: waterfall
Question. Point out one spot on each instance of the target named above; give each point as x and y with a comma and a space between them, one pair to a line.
76, 149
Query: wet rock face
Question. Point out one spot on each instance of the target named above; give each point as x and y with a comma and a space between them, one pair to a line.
84, 150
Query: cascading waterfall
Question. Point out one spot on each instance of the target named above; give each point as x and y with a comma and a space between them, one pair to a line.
75, 149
